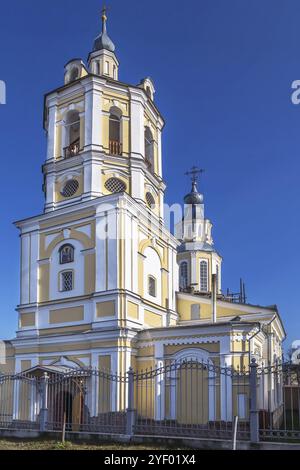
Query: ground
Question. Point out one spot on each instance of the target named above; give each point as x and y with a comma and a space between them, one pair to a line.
13, 444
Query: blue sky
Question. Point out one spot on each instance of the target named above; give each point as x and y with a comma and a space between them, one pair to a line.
223, 71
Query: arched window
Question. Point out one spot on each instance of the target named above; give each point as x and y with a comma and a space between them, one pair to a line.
72, 134
66, 254
183, 281
115, 145
66, 281
149, 149
203, 276
74, 74
150, 200
152, 286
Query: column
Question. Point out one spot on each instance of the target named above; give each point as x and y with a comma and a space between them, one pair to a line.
101, 248
50, 192
93, 115
137, 127
160, 390
226, 389
51, 130
93, 393
25, 250
137, 131
34, 256
193, 270
159, 150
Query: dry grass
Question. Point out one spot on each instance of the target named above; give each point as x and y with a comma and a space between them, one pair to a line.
14, 444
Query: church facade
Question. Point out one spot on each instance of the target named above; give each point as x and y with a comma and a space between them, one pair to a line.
104, 283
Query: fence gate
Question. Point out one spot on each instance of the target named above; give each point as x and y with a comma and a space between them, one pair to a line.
87, 400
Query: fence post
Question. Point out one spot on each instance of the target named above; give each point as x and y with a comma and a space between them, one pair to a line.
254, 431
44, 402
130, 412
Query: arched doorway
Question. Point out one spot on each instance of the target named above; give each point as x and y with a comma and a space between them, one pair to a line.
63, 408
68, 405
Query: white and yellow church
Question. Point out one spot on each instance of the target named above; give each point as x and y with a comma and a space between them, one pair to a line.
104, 283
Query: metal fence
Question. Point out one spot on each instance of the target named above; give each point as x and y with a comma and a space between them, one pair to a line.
191, 398
186, 398
279, 402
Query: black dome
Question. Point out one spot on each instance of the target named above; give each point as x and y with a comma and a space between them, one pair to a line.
194, 197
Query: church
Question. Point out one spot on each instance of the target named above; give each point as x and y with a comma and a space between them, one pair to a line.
104, 282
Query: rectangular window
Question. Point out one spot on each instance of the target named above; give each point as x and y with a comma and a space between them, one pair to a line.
152, 286
67, 281
107, 68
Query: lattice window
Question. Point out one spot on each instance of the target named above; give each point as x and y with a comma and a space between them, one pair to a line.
114, 185
150, 200
203, 276
70, 188
66, 254
67, 281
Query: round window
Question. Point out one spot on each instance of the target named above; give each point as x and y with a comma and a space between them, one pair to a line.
114, 185
150, 200
70, 188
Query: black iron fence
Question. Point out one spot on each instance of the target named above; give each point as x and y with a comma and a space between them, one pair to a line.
185, 398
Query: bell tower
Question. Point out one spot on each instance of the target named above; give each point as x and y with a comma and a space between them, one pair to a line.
197, 258
104, 136
99, 264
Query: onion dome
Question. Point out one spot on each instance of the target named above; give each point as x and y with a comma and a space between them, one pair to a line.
194, 197
103, 41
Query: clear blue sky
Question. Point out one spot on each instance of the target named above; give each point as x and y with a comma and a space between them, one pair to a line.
223, 72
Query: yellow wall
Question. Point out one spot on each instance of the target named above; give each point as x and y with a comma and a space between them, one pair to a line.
152, 319
66, 315
27, 319
106, 309
132, 310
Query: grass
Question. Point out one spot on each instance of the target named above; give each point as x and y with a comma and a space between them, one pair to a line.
14, 444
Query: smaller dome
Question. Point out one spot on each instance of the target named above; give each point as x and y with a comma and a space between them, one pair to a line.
194, 197
103, 41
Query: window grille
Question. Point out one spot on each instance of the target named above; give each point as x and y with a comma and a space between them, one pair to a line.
67, 281
70, 188
114, 185
150, 200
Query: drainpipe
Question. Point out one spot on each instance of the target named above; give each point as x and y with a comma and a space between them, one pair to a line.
269, 339
249, 339
259, 330
214, 297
